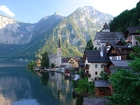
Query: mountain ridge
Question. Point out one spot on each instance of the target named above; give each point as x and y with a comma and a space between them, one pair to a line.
74, 30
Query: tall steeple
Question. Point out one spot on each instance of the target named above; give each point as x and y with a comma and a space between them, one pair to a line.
59, 53
59, 43
105, 28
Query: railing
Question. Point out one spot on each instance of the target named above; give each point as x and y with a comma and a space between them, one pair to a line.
86, 67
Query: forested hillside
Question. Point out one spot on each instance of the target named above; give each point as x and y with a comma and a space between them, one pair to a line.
126, 19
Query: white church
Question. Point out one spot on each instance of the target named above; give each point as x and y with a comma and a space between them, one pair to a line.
56, 59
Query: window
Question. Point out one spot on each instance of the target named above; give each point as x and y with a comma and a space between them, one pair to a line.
119, 58
96, 66
96, 73
101, 66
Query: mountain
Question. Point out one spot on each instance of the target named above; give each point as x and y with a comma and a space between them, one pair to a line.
14, 32
25, 40
75, 30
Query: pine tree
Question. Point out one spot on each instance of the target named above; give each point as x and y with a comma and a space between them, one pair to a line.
89, 45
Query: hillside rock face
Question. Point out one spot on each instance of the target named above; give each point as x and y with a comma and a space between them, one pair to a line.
81, 25
74, 30
13, 32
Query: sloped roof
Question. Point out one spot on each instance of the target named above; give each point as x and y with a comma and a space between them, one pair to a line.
109, 35
101, 83
81, 61
132, 31
93, 56
120, 62
75, 58
95, 101
116, 47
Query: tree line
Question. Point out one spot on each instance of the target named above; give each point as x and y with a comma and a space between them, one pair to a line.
126, 19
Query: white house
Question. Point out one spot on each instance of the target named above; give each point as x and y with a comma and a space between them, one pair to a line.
94, 63
105, 36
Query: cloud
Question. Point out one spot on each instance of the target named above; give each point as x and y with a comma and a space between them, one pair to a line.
6, 10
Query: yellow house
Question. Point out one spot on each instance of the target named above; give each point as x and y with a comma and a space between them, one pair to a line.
38, 62
73, 62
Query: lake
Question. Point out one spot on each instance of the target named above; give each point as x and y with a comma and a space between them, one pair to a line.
20, 86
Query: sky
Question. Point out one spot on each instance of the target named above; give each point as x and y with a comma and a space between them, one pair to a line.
31, 11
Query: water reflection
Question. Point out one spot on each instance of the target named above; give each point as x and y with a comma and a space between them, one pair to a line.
20, 86
45, 78
61, 89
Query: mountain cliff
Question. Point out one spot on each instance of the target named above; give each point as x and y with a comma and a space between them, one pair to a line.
14, 32
25, 40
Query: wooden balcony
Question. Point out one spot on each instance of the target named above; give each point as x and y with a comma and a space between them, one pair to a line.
86, 67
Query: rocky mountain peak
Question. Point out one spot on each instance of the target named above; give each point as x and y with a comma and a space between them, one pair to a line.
57, 13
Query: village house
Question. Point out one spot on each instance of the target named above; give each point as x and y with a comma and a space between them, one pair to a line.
117, 52
38, 62
94, 63
102, 88
105, 37
73, 62
131, 34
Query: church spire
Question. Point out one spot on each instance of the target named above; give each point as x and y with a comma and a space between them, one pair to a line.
59, 43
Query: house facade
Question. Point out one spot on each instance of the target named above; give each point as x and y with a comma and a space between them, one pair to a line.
131, 34
94, 63
38, 62
102, 88
73, 62
105, 36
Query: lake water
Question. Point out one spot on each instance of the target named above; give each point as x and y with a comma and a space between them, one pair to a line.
20, 86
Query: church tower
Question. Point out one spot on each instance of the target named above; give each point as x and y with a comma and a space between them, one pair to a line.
59, 54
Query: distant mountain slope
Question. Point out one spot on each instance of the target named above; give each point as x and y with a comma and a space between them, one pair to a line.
14, 32
74, 31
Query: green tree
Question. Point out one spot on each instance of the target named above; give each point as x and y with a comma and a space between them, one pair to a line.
45, 78
104, 75
52, 65
45, 60
31, 64
84, 87
89, 45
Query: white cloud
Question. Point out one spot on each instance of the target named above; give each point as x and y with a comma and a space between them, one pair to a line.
6, 10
